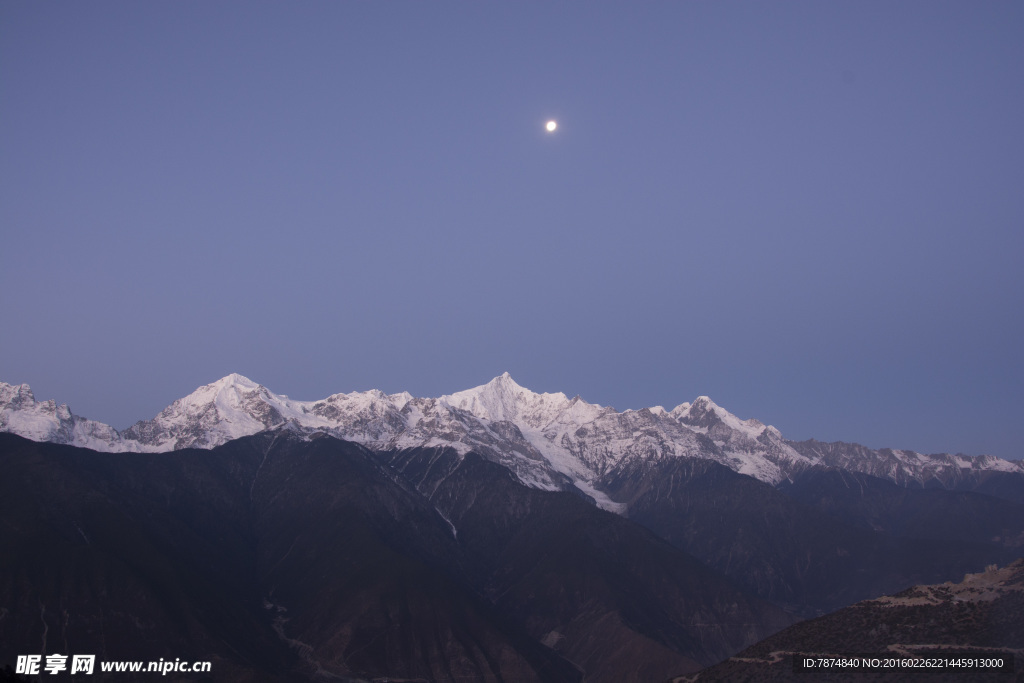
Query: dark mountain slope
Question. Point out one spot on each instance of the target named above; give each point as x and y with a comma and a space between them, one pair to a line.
272, 557
872, 503
982, 614
129, 557
360, 569
284, 557
603, 591
782, 549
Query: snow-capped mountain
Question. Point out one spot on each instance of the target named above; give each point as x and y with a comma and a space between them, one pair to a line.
548, 441
21, 414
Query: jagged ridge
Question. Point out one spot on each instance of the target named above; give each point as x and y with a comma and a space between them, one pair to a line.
548, 441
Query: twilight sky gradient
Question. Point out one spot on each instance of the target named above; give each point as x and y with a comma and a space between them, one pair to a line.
811, 211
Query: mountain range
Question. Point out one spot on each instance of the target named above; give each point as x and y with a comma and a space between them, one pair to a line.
548, 441
493, 534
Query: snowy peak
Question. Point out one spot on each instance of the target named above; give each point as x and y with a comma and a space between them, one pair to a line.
21, 414
236, 381
400, 399
232, 397
703, 412
707, 416
229, 393
16, 395
232, 407
502, 399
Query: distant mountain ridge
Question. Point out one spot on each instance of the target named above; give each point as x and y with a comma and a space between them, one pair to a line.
549, 441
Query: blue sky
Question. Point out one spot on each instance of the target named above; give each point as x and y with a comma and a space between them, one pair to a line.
812, 212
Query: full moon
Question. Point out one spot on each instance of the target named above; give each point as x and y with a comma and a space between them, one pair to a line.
551, 125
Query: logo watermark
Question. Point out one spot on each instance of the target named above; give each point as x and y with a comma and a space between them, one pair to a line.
34, 665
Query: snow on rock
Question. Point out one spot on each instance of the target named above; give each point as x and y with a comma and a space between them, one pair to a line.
502, 399
547, 440
21, 414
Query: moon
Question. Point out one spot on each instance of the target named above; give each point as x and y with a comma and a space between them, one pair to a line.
551, 125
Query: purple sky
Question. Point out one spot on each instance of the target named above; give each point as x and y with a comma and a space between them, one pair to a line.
812, 212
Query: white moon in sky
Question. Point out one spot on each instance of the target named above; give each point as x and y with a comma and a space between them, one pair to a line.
551, 125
